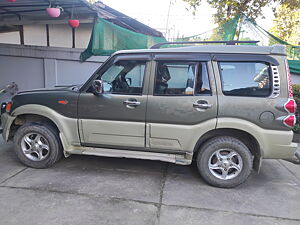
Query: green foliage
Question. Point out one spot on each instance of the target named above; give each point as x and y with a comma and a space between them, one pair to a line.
287, 24
296, 92
296, 128
228, 9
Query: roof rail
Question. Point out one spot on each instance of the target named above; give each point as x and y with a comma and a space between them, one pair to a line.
157, 46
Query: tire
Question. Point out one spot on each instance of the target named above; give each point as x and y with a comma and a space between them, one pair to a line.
222, 155
37, 145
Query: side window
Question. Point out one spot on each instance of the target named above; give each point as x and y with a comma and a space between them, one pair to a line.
180, 78
246, 79
202, 81
124, 77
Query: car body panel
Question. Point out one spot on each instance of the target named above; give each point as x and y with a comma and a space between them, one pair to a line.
163, 136
61, 100
253, 109
274, 144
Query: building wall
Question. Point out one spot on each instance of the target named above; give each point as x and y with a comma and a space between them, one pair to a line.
37, 67
10, 38
35, 35
60, 35
295, 78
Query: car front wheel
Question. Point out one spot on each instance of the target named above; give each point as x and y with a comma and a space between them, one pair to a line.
37, 145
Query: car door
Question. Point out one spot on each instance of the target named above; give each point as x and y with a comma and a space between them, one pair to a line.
182, 103
116, 118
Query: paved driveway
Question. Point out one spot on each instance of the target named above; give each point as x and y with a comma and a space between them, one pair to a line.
95, 190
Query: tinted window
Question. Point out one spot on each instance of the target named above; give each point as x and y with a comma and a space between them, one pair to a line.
180, 78
245, 78
124, 77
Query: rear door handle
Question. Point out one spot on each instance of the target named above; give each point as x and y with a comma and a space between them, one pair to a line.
202, 105
131, 103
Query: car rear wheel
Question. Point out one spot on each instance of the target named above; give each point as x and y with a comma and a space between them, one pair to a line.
37, 145
224, 162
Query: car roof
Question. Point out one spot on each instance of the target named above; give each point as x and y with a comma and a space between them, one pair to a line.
225, 49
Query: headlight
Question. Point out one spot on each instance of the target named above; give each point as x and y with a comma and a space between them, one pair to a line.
3, 106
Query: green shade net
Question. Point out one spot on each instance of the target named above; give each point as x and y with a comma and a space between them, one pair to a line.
226, 32
244, 29
107, 38
294, 66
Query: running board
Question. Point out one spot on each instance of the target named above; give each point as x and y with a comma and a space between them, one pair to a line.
118, 153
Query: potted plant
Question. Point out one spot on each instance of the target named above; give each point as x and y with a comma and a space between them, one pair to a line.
74, 23
54, 11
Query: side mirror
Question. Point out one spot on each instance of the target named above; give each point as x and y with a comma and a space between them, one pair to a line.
97, 87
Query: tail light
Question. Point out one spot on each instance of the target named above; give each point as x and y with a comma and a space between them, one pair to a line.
8, 107
290, 106
289, 79
290, 120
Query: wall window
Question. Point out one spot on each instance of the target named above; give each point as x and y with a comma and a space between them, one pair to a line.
124, 77
176, 78
245, 78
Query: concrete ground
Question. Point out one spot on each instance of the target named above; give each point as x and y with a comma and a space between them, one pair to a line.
95, 190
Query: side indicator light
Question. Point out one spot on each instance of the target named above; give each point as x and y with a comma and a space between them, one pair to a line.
63, 102
8, 107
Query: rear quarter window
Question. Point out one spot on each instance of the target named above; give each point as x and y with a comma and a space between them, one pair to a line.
246, 78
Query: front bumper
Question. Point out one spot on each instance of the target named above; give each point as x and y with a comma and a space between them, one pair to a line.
6, 121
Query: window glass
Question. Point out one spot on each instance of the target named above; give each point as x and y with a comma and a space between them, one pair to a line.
124, 77
179, 78
203, 86
245, 78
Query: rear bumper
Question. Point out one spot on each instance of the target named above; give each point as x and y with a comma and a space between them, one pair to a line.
277, 144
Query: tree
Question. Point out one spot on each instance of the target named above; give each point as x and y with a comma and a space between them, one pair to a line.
287, 25
228, 9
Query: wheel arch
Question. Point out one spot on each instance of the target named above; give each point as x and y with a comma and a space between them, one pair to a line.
67, 127
29, 118
248, 139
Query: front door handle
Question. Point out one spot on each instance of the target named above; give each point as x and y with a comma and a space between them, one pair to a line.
131, 103
201, 105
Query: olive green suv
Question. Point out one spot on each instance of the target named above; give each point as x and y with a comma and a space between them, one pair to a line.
226, 107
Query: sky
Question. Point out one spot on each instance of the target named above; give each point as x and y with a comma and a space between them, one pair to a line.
181, 21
